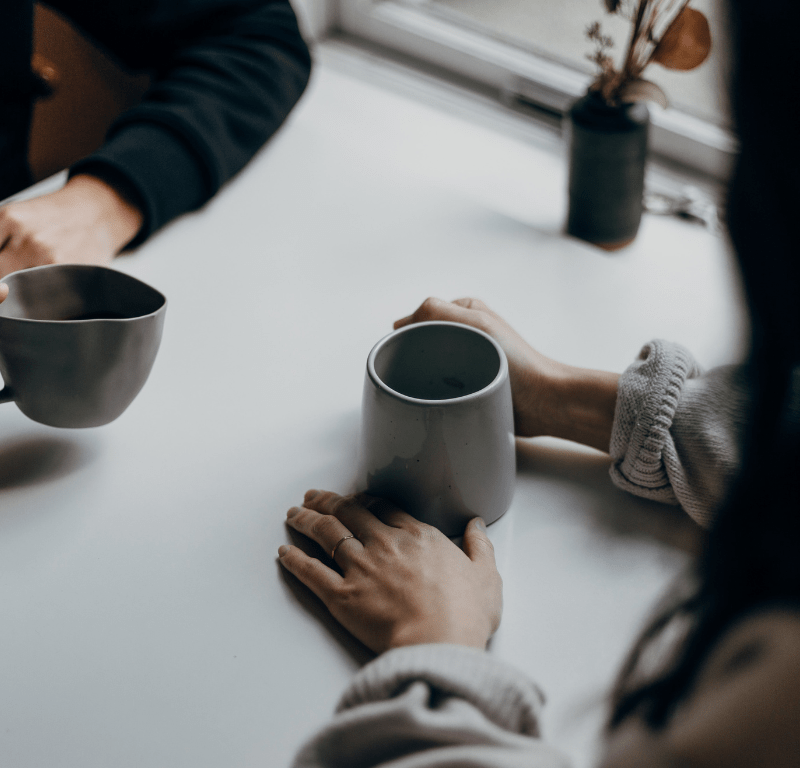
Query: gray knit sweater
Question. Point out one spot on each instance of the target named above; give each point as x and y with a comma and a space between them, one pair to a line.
677, 430
675, 439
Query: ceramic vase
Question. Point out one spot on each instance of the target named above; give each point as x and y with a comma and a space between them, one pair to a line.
607, 155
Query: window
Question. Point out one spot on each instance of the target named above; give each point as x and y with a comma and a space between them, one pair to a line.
532, 52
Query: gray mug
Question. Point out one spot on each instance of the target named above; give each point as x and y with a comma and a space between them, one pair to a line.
437, 430
77, 342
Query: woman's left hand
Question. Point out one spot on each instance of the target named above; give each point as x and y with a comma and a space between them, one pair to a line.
402, 582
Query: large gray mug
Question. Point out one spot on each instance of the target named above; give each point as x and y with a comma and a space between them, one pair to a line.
437, 431
77, 342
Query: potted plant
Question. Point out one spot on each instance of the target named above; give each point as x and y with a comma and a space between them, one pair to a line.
608, 126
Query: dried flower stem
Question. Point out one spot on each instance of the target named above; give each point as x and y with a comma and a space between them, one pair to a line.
650, 21
628, 66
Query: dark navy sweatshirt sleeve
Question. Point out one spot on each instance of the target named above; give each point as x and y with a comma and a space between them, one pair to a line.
226, 73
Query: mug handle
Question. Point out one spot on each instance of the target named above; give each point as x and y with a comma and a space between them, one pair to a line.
6, 395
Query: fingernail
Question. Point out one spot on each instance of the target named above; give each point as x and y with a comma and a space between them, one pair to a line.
292, 512
283, 549
310, 494
480, 523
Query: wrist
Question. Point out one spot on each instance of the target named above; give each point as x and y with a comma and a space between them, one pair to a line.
113, 210
580, 405
434, 633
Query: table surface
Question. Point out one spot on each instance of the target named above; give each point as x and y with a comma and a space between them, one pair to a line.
145, 620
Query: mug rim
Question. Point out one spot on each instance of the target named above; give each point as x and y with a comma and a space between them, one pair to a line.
494, 384
160, 295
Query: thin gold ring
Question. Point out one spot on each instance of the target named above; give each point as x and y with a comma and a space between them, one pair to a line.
336, 546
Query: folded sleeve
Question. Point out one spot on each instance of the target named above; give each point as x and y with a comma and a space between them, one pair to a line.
225, 76
432, 706
678, 430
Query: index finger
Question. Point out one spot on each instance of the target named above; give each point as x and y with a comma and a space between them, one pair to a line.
348, 509
466, 311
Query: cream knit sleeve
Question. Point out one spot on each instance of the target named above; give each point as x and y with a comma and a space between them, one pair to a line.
677, 430
434, 706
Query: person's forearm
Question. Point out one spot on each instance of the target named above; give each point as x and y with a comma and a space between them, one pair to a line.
226, 84
580, 406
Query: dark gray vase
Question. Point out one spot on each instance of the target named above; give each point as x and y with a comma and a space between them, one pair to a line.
607, 155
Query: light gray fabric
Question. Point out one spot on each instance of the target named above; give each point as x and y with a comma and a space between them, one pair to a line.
678, 430
434, 706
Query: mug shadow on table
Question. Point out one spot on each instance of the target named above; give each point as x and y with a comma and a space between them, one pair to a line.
35, 459
609, 510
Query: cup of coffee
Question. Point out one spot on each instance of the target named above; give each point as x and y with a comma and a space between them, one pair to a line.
77, 342
437, 430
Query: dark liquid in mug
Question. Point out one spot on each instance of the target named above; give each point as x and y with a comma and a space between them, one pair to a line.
103, 315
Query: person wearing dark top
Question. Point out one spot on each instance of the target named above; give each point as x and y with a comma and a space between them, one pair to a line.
224, 76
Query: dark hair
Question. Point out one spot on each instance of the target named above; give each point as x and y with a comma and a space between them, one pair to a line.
750, 557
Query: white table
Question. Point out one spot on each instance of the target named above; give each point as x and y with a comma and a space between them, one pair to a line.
145, 620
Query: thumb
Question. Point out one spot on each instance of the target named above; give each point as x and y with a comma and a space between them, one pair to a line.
3, 291
477, 545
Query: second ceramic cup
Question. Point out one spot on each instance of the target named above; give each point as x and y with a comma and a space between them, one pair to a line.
437, 431
77, 342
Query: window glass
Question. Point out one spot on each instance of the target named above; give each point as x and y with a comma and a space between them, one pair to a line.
556, 29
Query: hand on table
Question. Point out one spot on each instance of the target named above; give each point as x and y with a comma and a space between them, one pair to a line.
402, 582
85, 222
550, 398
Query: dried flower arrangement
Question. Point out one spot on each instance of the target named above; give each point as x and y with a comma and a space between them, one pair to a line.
667, 32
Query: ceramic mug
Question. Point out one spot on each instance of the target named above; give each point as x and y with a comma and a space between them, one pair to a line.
437, 430
77, 342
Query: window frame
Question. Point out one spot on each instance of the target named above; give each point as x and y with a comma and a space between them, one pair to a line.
520, 76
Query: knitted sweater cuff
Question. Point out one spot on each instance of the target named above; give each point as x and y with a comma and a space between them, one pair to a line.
498, 691
648, 396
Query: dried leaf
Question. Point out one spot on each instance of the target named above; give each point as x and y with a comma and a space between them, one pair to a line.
642, 90
612, 5
686, 43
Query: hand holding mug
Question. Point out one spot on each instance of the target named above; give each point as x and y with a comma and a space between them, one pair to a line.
550, 398
399, 581
87, 221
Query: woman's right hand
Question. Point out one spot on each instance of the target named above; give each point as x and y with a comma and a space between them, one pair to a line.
396, 581
529, 370
550, 398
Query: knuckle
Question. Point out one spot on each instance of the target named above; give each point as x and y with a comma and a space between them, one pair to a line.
323, 525
423, 533
38, 247
343, 504
430, 307
11, 224
322, 501
346, 594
